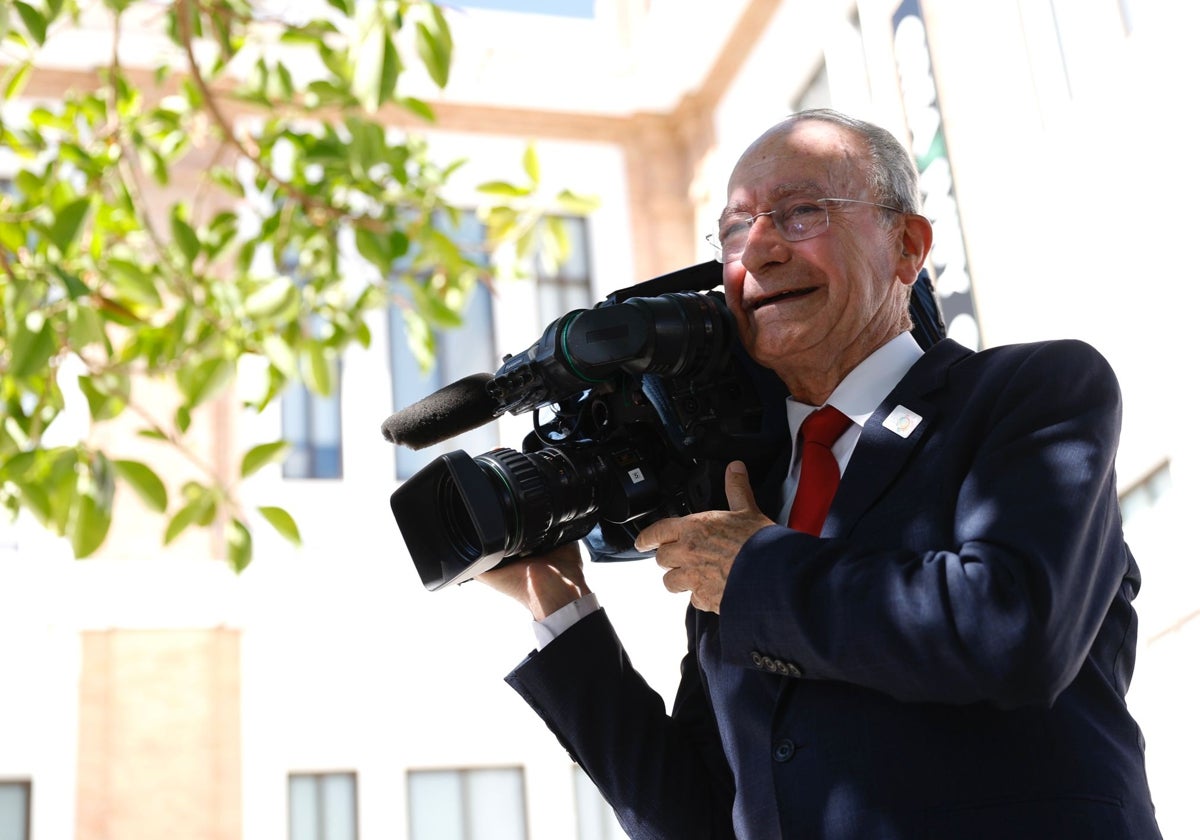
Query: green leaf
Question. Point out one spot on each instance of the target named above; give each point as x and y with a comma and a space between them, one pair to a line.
145, 482
273, 298
92, 512
184, 517
134, 282
67, 222
376, 248
35, 24
200, 509
35, 498
13, 237
280, 353
575, 204
389, 72
89, 526
419, 107
532, 167
503, 189
369, 68
239, 545
32, 346
282, 522
185, 237
74, 286
261, 455
17, 78
318, 372
107, 394
434, 46
203, 381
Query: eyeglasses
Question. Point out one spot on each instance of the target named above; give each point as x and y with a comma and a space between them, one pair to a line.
796, 220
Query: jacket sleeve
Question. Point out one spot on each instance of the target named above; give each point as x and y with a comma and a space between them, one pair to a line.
664, 775
984, 574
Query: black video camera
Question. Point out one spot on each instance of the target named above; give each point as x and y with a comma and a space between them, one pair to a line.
653, 395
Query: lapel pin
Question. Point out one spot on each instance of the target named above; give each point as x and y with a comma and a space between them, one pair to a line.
902, 421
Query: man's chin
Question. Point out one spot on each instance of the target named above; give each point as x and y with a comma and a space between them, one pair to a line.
773, 345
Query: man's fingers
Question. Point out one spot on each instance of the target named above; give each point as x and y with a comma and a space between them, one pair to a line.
657, 533
737, 487
674, 580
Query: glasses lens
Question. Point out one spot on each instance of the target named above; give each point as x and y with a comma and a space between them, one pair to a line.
801, 220
794, 222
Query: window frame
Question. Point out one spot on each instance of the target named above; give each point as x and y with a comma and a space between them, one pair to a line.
25, 785
319, 777
463, 775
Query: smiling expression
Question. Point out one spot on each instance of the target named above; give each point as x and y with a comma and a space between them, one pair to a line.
812, 310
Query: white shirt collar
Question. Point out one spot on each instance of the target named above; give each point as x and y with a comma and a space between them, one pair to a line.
865, 387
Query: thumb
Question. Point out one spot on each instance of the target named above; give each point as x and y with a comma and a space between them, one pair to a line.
737, 487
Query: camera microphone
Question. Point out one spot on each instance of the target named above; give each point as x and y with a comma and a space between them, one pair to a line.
458, 407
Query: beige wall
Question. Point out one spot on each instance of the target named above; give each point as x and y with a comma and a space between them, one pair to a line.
159, 735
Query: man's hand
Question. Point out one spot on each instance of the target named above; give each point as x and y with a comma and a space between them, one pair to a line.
544, 582
698, 550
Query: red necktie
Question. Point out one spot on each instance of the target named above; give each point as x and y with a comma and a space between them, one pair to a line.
819, 472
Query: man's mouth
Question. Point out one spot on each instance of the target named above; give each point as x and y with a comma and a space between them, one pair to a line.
781, 296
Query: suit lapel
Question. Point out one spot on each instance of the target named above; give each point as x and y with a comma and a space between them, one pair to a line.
886, 445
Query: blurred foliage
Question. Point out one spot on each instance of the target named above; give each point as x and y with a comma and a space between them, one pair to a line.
303, 182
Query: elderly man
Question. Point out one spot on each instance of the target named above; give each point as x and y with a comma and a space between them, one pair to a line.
946, 651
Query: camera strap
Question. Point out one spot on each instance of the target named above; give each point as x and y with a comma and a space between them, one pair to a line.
695, 278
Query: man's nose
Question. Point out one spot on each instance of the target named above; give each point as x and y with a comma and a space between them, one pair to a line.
763, 241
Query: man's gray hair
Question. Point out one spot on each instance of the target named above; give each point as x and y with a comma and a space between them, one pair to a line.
891, 174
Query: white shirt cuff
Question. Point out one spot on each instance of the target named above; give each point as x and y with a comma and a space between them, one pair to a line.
562, 619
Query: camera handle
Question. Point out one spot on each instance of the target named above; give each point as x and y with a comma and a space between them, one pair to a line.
929, 324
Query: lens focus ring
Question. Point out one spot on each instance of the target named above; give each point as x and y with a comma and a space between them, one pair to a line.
531, 507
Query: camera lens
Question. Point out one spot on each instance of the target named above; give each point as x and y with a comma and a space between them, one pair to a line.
458, 526
548, 496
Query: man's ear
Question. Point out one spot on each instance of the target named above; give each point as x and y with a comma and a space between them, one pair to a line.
916, 240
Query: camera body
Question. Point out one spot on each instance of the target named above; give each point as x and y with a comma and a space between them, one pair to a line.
652, 395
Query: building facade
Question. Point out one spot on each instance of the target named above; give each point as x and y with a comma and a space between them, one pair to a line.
323, 693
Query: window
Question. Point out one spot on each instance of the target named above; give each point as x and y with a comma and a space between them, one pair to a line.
467, 804
312, 424
569, 285
14, 810
594, 817
470, 348
459, 352
322, 806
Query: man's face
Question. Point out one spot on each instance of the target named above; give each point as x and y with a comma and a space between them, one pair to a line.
821, 304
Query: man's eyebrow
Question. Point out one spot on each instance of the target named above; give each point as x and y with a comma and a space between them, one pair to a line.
787, 190
778, 192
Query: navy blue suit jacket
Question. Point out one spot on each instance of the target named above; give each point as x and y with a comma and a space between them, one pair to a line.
949, 659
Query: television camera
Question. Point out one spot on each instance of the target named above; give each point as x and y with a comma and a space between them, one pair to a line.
652, 395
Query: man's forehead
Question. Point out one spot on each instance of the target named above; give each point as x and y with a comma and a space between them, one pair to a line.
804, 188
811, 157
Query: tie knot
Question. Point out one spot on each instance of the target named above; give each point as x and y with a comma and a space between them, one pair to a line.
824, 426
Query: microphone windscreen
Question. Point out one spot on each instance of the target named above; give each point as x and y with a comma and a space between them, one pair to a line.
458, 407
